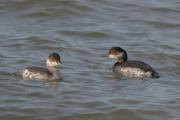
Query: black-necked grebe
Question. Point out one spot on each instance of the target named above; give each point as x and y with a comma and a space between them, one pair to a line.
127, 68
51, 73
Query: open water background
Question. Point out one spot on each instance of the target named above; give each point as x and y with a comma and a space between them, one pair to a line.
82, 31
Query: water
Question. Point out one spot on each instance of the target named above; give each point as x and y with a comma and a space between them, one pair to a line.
82, 32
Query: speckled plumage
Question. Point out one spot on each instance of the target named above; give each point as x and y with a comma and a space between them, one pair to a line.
38, 73
134, 69
127, 68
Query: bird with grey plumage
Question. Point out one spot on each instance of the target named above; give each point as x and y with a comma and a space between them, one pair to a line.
126, 68
52, 72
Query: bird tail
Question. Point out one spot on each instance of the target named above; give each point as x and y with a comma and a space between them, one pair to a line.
19, 73
155, 75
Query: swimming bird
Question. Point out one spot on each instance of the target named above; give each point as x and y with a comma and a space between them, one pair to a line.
124, 67
52, 71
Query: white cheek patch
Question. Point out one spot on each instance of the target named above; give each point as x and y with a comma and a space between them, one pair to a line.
112, 56
50, 63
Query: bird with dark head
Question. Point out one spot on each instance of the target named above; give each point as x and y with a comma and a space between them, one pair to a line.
137, 69
37, 73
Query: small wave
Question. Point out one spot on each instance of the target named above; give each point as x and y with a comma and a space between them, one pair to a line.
96, 34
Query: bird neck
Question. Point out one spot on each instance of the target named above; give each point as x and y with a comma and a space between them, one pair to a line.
122, 59
54, 71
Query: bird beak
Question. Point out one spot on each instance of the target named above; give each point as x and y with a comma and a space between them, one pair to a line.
105, 55
59, 65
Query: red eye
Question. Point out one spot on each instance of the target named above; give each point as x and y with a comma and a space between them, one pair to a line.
114, 52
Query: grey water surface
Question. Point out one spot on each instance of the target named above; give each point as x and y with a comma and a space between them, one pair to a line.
82, 31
